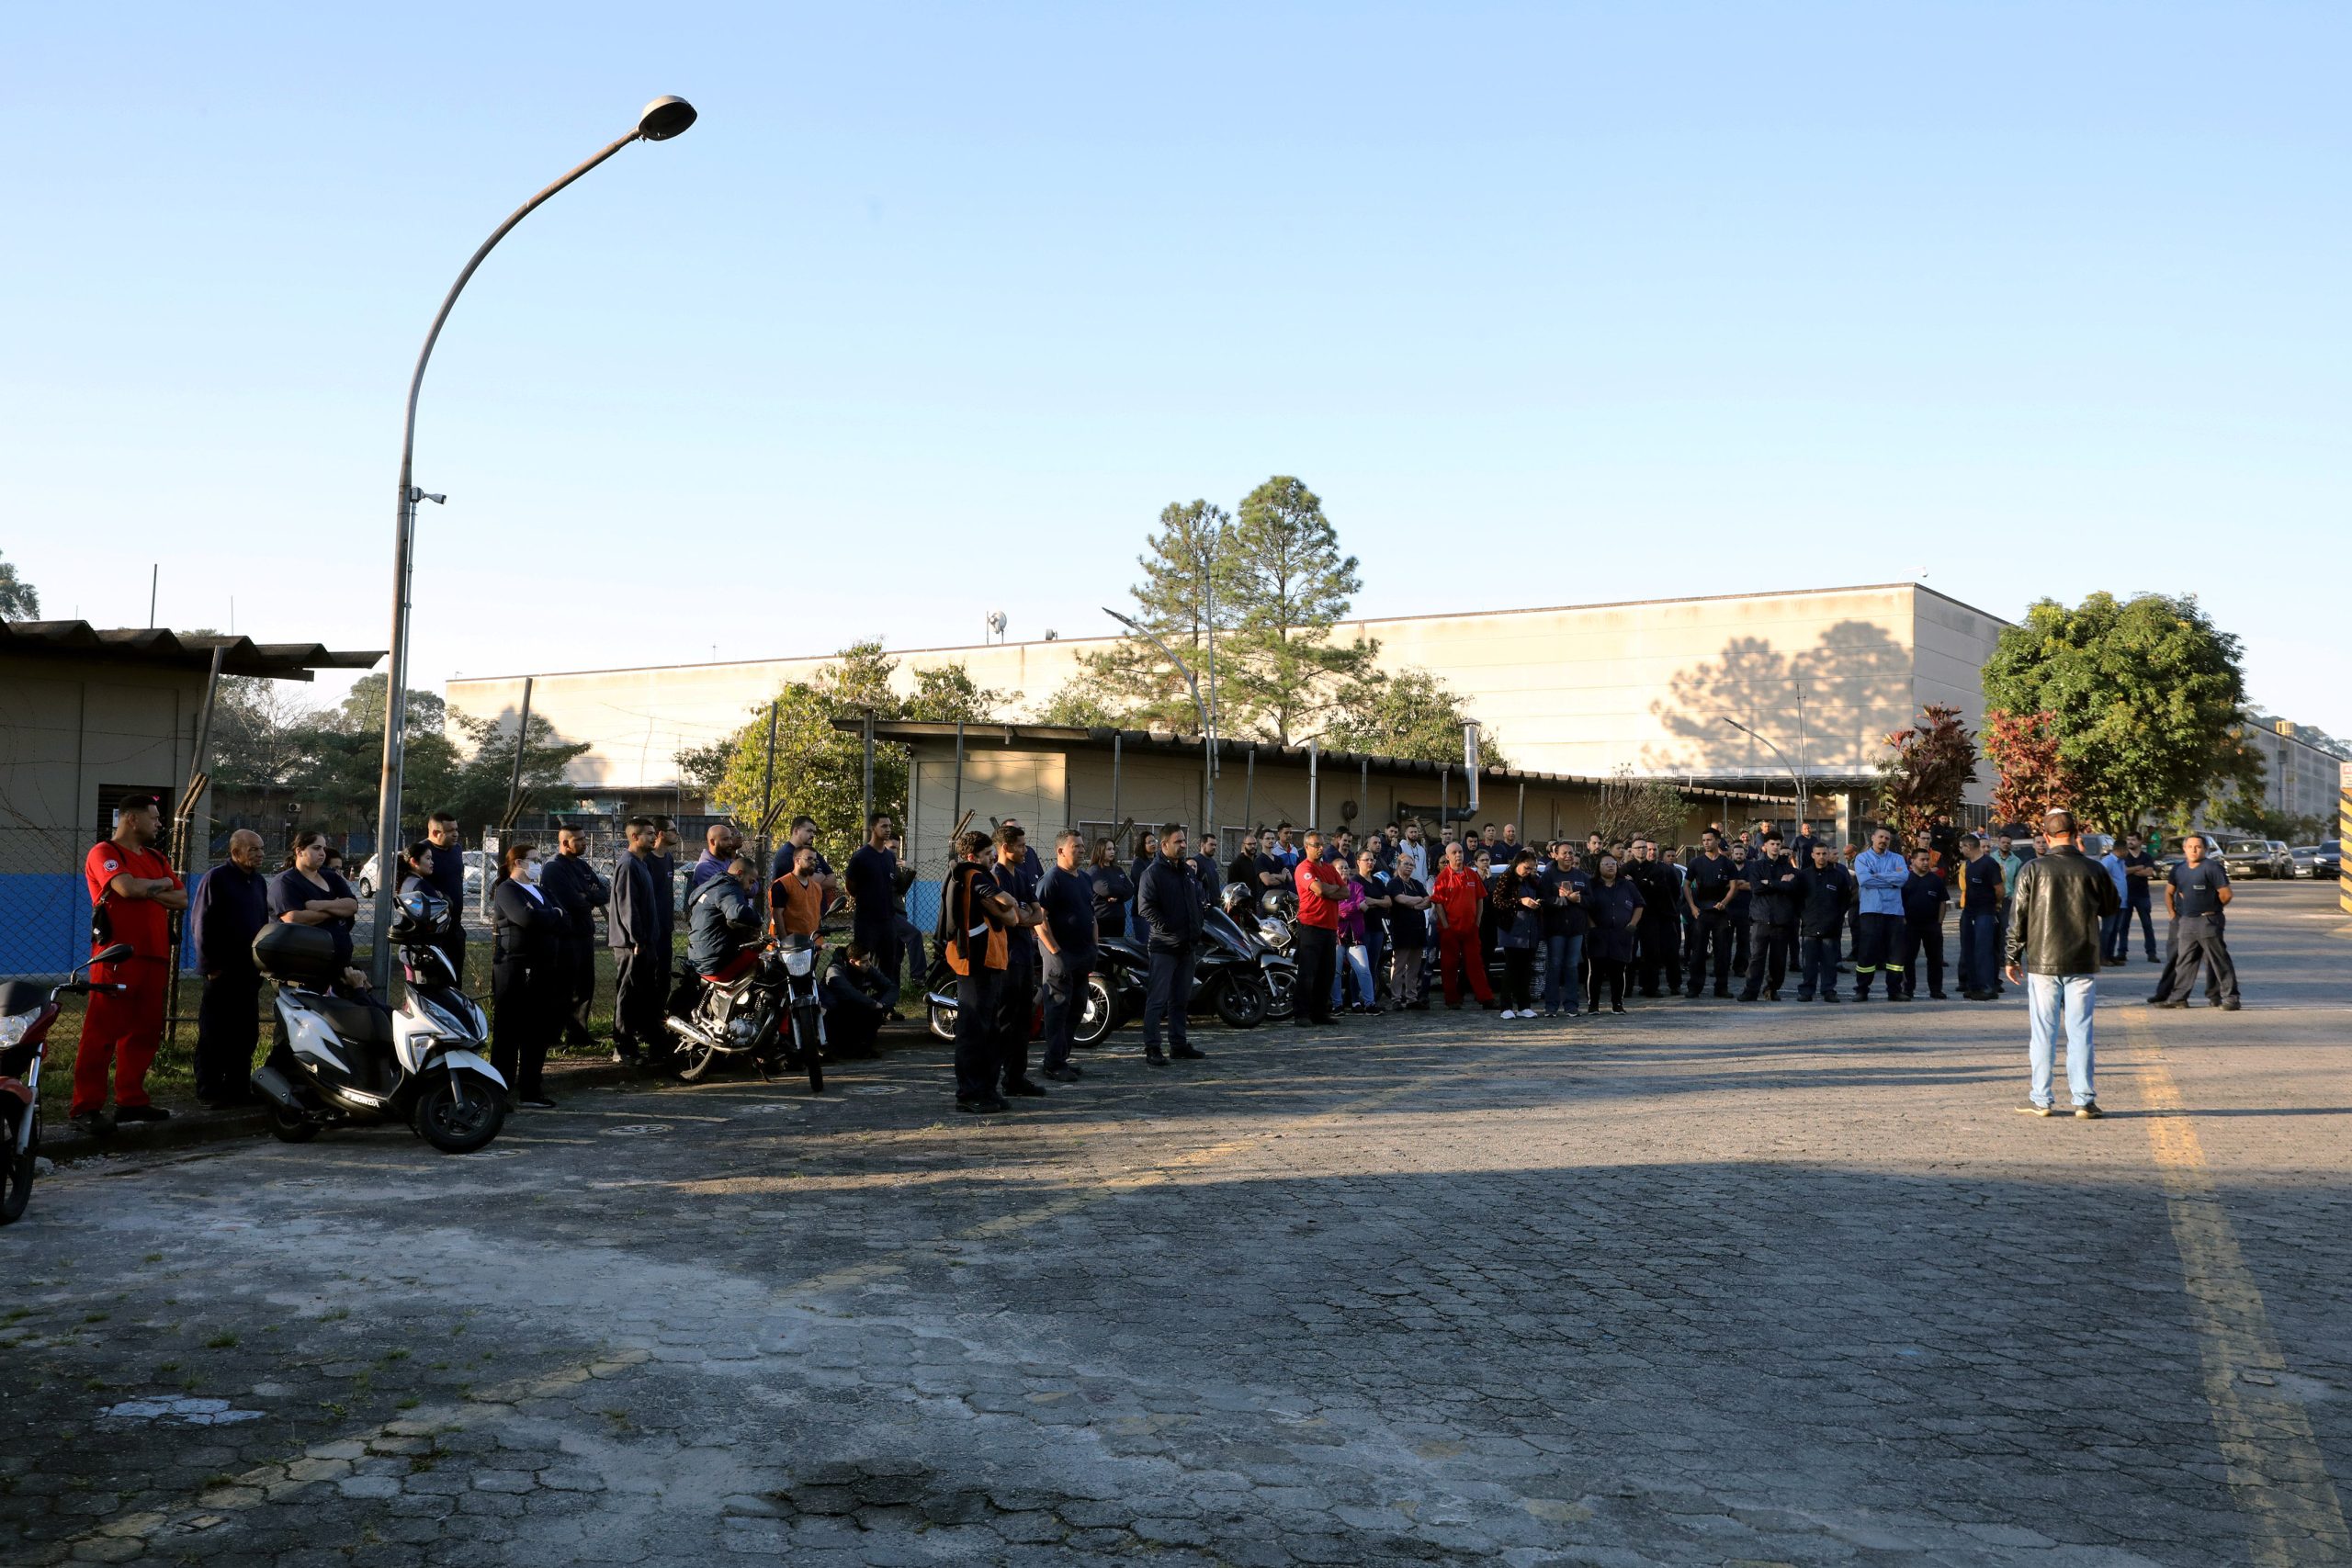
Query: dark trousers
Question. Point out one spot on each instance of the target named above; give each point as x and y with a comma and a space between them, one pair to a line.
880, 941
453, 948
1609, 973
976, 1001
1016, 1012
1980, 935
853, 1019
1656, 949
1738, 945
1922, 937
641, 982
2196, 938
1874, 949
1065, 999
911, 957
1768, 961
1711, 927
578, 987
1817, 965
2115, 936
228, 1030
1168, 994
1317, 950
1518, 978
526, 1011
2147, 929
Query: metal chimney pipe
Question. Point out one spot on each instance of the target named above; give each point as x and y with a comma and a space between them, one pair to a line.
1314, 799
1470, 763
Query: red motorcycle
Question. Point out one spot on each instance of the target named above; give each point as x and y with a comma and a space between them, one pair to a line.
27, 1009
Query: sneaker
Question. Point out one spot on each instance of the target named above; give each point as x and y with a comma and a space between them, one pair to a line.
2088, 1110
2182, 1003
140, 1113
536, 1102
2230, 1006
1062, 1075
1551, 1013
1029, 1087
1186, 1053
93, 1123
1152, 1058
2031, 1109
980, 1105
1832, 996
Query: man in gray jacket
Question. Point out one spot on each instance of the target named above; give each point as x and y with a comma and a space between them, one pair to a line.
2055, 913
638, 933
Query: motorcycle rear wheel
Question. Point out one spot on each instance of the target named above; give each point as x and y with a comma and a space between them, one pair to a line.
697, 1061
457, 1128
1098, 1016
942, 1022
288, 1126
17, 1169
1242, 1002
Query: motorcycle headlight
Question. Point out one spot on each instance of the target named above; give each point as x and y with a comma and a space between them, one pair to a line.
442, 1019
13, 1028
799, 961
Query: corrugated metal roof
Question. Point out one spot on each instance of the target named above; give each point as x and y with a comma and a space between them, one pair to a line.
158, 646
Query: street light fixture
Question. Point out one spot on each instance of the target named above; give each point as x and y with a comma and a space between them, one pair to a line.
658, 121
1208, 740
1796, 781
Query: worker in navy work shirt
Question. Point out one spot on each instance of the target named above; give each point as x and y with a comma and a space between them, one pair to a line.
2195, 893
871, 876
449, 879
1924, 898
231, 906
1066, 895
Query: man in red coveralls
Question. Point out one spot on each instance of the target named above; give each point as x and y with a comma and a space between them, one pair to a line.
1459, 892
1321, 888
133, 885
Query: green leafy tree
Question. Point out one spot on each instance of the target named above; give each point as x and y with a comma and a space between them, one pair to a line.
477, 789
1282, 675
819, 769
1633, 808
1080, 705
1411, 714
362, 708
2145, 695
19, 600
1186, 597
1929, 767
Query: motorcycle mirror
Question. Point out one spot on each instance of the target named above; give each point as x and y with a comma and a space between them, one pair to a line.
114, 955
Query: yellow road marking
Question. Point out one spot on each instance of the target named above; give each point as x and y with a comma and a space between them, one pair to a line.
2264, 1434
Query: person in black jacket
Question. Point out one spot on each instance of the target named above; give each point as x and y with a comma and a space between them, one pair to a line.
1112, 890
1773, 887
1170, 900
1657, 942
525, 974
856, 1000
638, 937
449, 879
231, 906
2053, 950
578, 892
1824, 892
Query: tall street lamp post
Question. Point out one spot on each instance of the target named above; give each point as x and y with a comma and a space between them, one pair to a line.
661, 120
1795, 780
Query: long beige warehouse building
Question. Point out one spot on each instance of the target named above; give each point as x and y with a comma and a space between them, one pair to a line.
1585, 689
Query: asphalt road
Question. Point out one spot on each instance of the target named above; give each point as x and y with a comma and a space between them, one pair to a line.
1705, 1284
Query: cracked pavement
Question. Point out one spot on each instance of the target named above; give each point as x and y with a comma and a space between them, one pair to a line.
1706, 1284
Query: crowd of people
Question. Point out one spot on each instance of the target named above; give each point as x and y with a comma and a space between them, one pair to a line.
1392, 920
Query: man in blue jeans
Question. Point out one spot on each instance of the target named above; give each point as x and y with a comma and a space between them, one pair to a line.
2055, 912
1561, 889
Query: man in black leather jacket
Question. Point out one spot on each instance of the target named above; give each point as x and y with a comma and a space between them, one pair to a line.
2055, 913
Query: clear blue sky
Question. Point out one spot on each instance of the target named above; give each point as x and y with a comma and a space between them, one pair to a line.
938, 306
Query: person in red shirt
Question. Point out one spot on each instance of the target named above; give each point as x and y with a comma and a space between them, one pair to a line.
1320, 889
1460, 895
133, 884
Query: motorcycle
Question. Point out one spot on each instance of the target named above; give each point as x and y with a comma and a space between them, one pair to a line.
1234, 975
340, 1060
26, 1010
775, 995
1262, 926
1110, 999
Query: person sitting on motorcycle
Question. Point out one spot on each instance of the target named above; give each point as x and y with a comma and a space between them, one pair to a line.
723, 923
852, 996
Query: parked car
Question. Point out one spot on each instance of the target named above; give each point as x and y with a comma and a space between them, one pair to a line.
2327, 863
365, 883
2244, 857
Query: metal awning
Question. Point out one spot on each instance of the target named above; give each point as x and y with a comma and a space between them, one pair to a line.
158, 647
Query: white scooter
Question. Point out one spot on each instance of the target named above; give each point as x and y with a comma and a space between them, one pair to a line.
341, 1060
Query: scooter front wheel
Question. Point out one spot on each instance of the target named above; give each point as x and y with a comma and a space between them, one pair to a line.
16, 1166
458, 1117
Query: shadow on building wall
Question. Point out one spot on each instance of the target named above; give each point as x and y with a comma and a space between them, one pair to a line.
1828, 707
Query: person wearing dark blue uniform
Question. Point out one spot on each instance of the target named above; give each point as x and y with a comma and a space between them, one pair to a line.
1066, 894
1982, 891
871, 876
578, 892
1113, 890
1924, 898
1707, 891
1613, 906
2140, 872
974, 922
1824, 892
2195, 895
1170, 902
231, 907
1773, 884
449, 879
525, 974
636, 933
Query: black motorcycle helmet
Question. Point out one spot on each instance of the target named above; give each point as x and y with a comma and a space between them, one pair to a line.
419, 913
1239, 901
